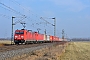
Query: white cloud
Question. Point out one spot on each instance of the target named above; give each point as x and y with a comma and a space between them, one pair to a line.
71, 5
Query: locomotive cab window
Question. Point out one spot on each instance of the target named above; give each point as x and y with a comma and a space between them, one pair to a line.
19, 32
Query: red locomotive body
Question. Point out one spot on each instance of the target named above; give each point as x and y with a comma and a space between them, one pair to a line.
20, 36
26, 36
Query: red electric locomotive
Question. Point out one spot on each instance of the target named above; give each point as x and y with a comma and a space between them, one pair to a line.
26, 36
20, 36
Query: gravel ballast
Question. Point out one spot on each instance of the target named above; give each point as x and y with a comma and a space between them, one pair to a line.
15, 53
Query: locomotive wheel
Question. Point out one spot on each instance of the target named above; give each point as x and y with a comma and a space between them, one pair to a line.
16, 43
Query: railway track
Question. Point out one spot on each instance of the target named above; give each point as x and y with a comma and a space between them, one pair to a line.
16, 47
17, 50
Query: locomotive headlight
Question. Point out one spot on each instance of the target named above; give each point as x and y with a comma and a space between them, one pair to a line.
16, 36
21, 36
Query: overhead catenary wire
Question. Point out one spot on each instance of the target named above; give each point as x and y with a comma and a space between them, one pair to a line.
16, 11
11, 9
28, 10
19, 21
34, 22
24, 8
46, 21
4, 8
6, 16
19, 5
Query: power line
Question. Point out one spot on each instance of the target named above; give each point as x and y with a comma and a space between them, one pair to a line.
19, 5
4, 8
11, 9
25, 9
22, 14
46, 21
2, 15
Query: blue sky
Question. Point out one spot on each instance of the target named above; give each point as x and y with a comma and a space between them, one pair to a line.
71, 15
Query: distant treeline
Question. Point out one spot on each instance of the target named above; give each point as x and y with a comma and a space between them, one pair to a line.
73, 39
80, 39
5, 38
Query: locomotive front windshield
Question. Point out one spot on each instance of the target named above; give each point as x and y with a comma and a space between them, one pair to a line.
19, 32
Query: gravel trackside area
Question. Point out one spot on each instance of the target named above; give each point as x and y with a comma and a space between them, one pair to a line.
50, 51
16, 53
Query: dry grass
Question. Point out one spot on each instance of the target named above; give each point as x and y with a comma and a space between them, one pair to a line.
2, 42
77, 51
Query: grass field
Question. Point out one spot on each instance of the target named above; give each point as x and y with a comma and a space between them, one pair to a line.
77, 51
5, 42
